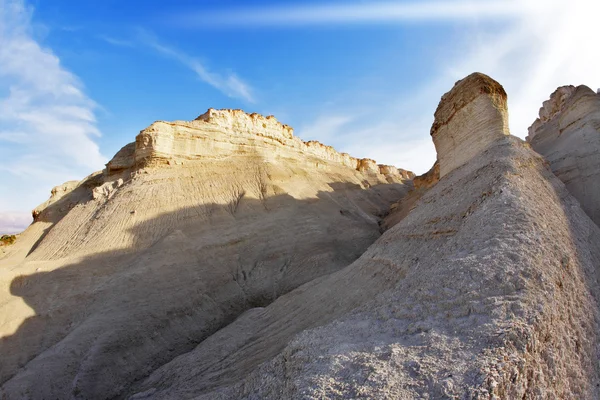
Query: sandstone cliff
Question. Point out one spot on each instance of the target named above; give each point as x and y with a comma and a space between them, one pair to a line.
567, 134
421, 183
187, 228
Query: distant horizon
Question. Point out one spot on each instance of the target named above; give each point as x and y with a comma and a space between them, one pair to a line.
79, 80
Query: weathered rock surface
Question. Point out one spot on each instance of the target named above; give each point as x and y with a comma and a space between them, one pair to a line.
186, 229
217, 134
57, 193
475, 104
567, 134
224, 272
487, 289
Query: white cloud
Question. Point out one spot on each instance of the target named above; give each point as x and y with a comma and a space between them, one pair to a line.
397, 136
344, 13
13, 222
545, 44
47, 123
229, 84
116, 42
325, 127
553, 45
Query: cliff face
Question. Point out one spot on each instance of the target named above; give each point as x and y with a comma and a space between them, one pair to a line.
218, 134
487, 289
567, 134
187, 228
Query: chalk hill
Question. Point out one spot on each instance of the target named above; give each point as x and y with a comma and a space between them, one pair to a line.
187, 228
567, 134
223, 258
488, 288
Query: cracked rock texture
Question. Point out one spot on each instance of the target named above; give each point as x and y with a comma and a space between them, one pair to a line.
567, 134
186, 229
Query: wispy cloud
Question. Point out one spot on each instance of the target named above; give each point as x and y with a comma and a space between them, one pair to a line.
325, 128
544, 44
47, 123
116, 42
357, 13
230, 84
13, 222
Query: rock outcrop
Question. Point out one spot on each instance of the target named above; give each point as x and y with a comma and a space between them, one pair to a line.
256, 271
567, 134
488, 289
429, 178
468, 119
217, 134
57, 193
186, 229
421, 183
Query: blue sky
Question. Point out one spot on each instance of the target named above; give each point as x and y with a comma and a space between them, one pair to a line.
79, 79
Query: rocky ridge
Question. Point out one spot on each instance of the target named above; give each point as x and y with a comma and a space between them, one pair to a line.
185, 230
567, 134
488, 288
223, 133
254, 272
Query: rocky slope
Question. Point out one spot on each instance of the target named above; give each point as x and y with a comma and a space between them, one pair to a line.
223, 258
567, 134
187, 228
487, 289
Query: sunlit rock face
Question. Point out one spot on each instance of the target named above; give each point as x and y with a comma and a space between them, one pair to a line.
185, 230
222, 258
225, 133
567, 134
486, 288
468, 119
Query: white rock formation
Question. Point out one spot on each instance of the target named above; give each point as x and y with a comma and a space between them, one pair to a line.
468, 119
233, 286
567, 134
217, 134
186, 229
488, 289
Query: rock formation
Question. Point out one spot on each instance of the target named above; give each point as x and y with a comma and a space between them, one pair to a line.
473, 106
567, 134
249, 271
187, 228
487, 289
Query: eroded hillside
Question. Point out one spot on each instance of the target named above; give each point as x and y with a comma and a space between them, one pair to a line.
487, 289
187, 228
223, 258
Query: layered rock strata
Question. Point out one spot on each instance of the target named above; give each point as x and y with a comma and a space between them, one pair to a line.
567, 134
185, 230
224, 133
468, 119
487, 289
